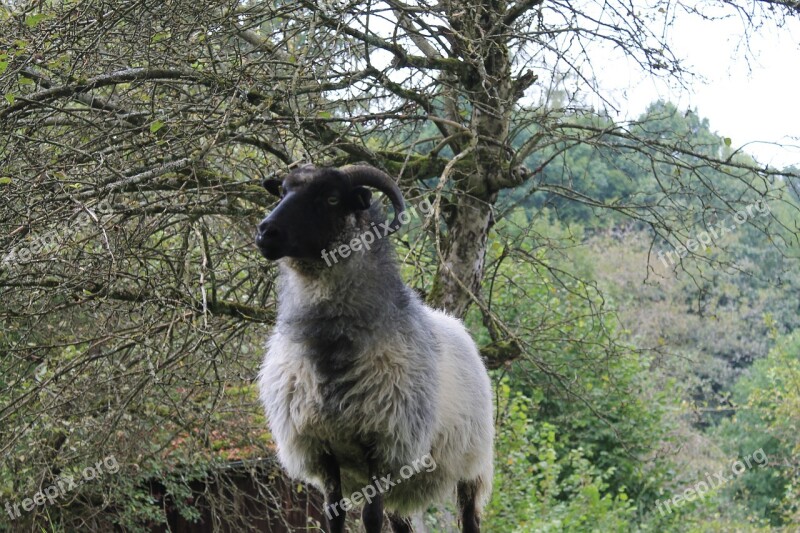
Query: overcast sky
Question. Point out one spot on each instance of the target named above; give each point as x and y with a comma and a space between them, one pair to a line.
749, 102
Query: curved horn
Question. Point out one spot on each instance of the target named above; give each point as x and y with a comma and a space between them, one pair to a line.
372, 177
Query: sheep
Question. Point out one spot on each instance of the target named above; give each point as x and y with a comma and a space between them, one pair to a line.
362, 382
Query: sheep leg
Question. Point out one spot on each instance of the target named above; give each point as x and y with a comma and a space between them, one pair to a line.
372, 514
470, 521
333, 494
400, 524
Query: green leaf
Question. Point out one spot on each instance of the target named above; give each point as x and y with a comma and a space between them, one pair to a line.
160, 36
26, 81
5, 180
58, 62
10, 98
3, 66
727, 141
155, 126
34, 20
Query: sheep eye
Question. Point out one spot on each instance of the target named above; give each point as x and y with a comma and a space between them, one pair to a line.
333, 200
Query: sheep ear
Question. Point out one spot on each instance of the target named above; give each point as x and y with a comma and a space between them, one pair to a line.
360, 198
273, 186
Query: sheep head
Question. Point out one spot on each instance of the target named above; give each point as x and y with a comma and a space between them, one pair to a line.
314, 206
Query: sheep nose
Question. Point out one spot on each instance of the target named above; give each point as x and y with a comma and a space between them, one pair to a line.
267, 231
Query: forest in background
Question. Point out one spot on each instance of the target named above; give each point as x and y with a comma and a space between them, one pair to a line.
634, 287
688, 366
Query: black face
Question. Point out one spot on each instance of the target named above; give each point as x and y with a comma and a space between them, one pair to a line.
310, 215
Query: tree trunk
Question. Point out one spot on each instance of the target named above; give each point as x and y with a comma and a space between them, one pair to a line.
461, 271
489, 87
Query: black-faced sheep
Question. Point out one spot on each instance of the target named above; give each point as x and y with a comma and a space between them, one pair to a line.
367, 390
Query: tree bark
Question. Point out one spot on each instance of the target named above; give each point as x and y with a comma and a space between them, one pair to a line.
488, 85
461, 270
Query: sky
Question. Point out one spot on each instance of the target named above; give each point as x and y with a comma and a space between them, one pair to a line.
752, 97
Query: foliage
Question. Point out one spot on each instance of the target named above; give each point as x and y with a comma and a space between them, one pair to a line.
586, 381
542, 483
768, 406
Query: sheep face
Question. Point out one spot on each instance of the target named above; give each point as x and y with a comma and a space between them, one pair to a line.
311, 213
314, 208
